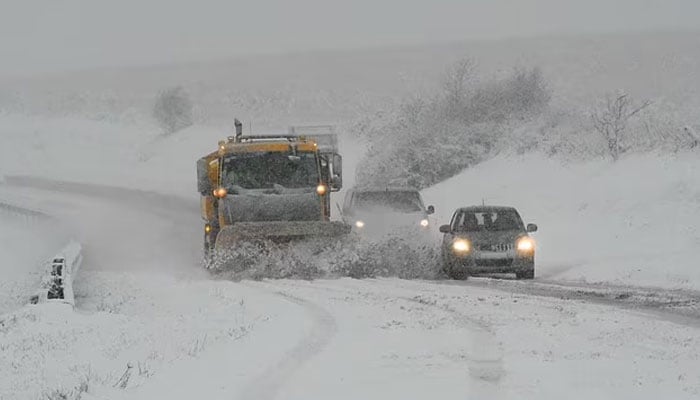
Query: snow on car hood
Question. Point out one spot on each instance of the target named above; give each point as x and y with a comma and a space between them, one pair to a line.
384, 222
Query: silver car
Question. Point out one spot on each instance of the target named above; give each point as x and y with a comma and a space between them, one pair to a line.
379, 212
488, 239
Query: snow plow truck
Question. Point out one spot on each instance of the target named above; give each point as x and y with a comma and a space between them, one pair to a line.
269, 188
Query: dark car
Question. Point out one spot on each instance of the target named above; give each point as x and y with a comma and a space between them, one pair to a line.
488, 239
385, 211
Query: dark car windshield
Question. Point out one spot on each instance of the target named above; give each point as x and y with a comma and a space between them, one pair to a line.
488, 220
264, 170
402, 201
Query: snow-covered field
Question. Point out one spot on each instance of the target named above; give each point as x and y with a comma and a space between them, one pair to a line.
331, 85
133, 156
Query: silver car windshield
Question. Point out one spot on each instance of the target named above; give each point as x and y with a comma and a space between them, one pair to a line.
401, 201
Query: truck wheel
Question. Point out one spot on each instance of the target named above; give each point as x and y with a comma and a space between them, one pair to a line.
525, 275
459, 275
208, 251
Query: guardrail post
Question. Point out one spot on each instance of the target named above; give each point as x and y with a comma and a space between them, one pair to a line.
57, 283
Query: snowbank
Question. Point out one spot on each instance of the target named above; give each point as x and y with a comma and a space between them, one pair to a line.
634, 222
130, 328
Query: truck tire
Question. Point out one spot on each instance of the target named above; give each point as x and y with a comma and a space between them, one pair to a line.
208, 251
525, 274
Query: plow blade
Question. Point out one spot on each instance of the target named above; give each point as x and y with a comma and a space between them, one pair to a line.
278, 231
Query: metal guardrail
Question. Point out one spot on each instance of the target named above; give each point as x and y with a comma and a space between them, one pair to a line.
57, 281
26, 213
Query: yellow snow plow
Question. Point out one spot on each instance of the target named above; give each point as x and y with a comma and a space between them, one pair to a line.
269, 188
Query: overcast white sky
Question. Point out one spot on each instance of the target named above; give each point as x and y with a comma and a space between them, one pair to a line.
51, 35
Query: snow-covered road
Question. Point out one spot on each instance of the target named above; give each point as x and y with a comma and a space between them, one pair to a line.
408, 339
150, 323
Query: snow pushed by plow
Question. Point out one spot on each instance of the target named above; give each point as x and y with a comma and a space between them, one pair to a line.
393, 256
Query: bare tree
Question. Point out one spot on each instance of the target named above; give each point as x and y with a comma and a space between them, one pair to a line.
610, 120
455, 85
173, 109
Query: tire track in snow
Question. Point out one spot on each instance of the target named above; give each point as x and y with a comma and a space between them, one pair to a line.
485, 360
675, 305
553, 271
267, 385
486, 354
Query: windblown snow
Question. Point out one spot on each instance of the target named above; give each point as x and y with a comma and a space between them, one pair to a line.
613, 311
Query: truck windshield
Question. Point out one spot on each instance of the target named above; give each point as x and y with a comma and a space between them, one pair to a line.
402, 201
265, 170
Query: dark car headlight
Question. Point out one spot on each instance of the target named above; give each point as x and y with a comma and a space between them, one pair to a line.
525, 245
461, 246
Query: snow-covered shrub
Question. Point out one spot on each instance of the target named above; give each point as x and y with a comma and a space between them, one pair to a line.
523, 93
661, 128
430, 138
173, 109
611, 118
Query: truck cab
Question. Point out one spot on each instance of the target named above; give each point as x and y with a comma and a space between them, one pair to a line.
268, 187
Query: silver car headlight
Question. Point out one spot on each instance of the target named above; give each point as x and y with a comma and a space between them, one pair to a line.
424, 222
359, 224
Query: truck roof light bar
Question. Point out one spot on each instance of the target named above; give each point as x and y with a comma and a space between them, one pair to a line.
253, 138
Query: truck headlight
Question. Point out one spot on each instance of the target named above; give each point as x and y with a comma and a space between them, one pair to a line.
461, 246
220, 192
525, 244
359, 224
424, 222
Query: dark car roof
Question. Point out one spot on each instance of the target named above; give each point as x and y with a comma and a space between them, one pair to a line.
486, 208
